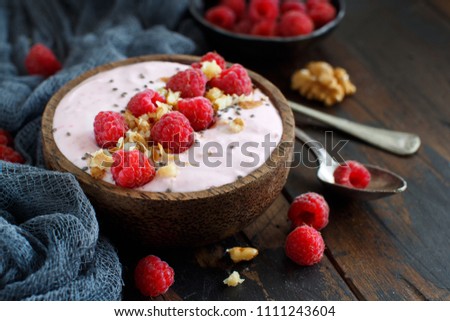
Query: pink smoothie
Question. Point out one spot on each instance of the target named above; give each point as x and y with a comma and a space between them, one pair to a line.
218, 157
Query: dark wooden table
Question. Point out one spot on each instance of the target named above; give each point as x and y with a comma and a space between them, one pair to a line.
398, 55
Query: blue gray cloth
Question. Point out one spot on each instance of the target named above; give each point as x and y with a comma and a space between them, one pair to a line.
49, 243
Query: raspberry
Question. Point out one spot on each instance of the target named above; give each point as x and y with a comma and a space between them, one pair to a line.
41, 61
352, 174
131, 168
10, 155
295, 23
234, 80
210, 56
173, 132
267, 28
5, 138
305, 245
238, 6
153, 276
190, 82
109, 126
221, 16
311, 3
263, 10
244, 26
292, 5
198, 111
310, 209
322, 13
144, 102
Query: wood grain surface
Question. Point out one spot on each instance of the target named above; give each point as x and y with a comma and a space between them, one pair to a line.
398, 55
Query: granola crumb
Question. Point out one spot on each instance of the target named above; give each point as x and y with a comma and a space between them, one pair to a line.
234, 279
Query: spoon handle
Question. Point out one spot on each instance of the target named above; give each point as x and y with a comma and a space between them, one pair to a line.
316, 147
399, 143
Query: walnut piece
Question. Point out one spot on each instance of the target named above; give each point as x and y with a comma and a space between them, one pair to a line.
234, 279
100, 161
238, 254
237, 125
170, 170
211, 69
320, 81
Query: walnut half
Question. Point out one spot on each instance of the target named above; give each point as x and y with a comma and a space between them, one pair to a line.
320, 81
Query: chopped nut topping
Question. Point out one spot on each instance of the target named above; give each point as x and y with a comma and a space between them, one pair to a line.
97, 173
172, 97
164, 79
320, 81
101, 159
238, 254
234, 279
237, 125
141, 125
219, 99
211, 69
250, 104
162, 109
170, 170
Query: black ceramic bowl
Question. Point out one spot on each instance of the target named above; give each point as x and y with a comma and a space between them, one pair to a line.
234, 44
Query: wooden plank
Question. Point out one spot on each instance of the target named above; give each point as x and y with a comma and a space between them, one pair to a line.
270, 276
396, 248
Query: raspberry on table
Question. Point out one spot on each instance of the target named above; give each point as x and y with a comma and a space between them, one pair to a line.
352, 174
190, 82
267, 28
41, 61
174, 132
234, 80
292, 5
221, 16
10, 155
131, 168
295, 23
153, 276
144, 102
198, 111
310, 209
263, 10
238, 6
109, 127
211, 56
305, 245
321, 13
5, 138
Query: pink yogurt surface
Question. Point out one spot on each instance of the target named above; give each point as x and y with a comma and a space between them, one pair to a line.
74, 133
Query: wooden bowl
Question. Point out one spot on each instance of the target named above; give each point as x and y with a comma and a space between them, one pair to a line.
180, 219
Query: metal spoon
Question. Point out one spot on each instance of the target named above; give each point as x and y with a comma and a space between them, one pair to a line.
399, 143
382, 183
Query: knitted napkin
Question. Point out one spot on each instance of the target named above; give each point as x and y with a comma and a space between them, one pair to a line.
50, 247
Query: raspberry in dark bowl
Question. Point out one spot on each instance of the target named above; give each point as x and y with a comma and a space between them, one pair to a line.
265, 31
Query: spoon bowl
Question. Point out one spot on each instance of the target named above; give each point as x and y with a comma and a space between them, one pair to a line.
383, 182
